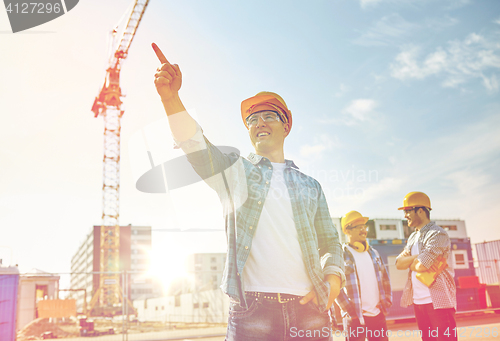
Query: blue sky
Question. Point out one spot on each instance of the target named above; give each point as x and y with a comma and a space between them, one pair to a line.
388, 97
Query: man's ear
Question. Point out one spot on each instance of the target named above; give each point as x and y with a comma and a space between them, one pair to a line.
347, 234
286, 127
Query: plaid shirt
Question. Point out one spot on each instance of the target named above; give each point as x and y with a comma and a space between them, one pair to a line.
433, 242
249, 180
349, 298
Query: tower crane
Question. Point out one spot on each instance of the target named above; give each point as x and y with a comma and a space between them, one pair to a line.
108, 104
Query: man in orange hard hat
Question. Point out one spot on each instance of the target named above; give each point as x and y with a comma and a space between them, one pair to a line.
434, 301
284, 263
367, 295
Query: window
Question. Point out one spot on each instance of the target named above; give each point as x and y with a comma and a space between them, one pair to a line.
41, 292
387, 227
177, 301
196, 305
205, 304
213, 260
213, 268
460, 259
450, 227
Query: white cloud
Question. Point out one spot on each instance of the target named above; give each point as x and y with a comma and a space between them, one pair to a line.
308, 150
367, 3
321, 143
342, 198
407, 66
468, 181
449, 4
386, 30
455, 4
440, 22
382, 188
459, 62
491, 83
393, 29
343, 89
454, 154
360, 109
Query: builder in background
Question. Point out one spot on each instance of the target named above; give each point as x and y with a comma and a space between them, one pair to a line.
367, 296
430, 286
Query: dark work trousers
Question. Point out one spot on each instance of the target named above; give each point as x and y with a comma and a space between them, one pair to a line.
375, 328
435, 324
266, 320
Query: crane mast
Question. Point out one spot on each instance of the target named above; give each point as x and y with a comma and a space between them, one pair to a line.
108, 104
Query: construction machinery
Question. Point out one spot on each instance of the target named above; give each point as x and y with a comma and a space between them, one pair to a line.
108, 104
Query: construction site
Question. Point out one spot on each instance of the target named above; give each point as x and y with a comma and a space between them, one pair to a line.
113, 291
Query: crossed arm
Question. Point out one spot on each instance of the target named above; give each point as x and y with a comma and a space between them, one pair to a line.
407, 261
436, 245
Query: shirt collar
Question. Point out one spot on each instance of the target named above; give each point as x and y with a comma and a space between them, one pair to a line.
427, 226
256, 159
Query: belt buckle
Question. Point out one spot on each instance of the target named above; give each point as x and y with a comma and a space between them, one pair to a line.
279, 299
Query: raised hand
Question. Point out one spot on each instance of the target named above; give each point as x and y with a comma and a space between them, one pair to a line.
168, 77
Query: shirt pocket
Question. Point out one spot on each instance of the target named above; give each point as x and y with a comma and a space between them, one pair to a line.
349, 267
308, 197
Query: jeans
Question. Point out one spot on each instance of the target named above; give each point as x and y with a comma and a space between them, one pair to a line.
435, 324
266, 320
375, 328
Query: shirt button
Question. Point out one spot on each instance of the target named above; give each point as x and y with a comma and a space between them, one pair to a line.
267, 182
260, 202
238, 273
270, 167
251, 227
246, 247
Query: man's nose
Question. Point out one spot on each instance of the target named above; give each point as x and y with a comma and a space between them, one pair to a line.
260, 122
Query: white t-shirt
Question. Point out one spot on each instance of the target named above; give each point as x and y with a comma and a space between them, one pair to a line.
421, 293
275, 263
370, 295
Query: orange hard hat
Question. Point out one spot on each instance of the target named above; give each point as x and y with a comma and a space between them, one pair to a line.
353, 218
416, 199
269, 99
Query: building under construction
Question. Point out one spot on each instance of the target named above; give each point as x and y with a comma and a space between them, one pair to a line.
134, 249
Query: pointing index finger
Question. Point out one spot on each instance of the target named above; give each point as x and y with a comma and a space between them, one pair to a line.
159, 54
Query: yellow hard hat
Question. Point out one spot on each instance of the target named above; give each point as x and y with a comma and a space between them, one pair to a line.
416, 199
266, 98
353, 218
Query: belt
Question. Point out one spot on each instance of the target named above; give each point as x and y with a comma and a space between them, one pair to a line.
281, 298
